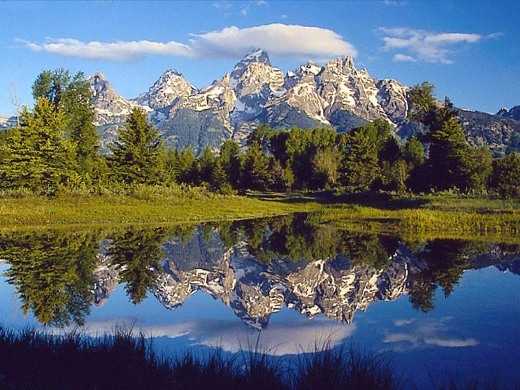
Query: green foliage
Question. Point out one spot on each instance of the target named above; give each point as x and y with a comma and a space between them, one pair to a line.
359, 168
325, 168
36, 155
505, 179
421, 102
255, 173
230, 162
187, 167
137, 255
136, 154
73, 97
52, 274
413, 152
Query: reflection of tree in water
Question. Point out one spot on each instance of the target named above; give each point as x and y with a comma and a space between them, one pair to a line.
137, 254
296, 237
52, 274
446, 261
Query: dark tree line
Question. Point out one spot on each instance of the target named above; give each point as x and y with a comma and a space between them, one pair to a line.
56, 146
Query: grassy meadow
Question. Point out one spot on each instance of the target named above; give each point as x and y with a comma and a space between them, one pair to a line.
427, 215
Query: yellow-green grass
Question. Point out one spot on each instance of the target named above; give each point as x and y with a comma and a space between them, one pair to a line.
424, 221
414, 216
34, 212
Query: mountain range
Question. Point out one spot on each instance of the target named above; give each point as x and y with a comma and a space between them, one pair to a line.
336, 94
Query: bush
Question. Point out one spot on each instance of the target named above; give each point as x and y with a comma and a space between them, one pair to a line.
505, 179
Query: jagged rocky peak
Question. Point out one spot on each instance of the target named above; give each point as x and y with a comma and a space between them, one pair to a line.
218, 95
392, 96
513, 113
100, 85
169, 87
255, 75
348, 91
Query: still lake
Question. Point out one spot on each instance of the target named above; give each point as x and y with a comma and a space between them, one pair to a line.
435, 308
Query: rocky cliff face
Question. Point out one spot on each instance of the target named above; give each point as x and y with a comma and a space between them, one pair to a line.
336, 94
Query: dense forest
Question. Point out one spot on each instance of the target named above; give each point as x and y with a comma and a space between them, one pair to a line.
55, 148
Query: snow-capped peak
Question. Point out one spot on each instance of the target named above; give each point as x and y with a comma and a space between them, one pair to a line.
169, 87
257, 55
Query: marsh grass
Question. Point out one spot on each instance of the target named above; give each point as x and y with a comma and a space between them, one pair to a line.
141, 205
34, 360
444, 214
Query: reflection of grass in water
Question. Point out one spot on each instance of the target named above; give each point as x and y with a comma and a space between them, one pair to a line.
35, 360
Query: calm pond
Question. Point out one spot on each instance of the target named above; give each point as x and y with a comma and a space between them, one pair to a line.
436, 308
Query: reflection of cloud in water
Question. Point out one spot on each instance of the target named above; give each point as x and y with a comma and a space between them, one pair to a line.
277, 339
403, 322
426, 333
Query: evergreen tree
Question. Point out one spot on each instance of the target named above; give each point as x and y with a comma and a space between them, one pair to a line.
230, 162
255, 174
206, 166
36, 155
72, 96
325, 168
505, 179
413, 152
136, 154
359, 167
187, 167
138, 255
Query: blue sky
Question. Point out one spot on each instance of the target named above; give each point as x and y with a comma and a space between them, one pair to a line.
469, 49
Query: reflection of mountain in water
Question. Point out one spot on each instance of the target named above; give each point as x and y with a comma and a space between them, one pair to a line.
336, 286
256, 268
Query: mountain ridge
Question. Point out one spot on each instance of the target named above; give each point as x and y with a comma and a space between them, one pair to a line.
336, 94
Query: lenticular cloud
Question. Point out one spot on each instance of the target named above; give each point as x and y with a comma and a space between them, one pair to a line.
230, 42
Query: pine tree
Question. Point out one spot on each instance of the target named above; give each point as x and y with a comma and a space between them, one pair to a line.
206, 166
360, 165
36, 155
325, 164
255, 174
136, 154
187, 166
230, 162
73, 97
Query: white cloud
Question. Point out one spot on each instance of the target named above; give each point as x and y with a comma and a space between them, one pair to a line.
403, 58
425, 45
278, 39
277, 339
111, 51
425, 334
230, 42
404, 322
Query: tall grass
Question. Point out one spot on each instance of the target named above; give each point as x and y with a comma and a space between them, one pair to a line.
35, 360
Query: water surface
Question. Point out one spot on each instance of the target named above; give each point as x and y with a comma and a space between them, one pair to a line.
435, 308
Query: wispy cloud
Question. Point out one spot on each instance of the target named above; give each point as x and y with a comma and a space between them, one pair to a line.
424, 334
230, 42
427, 46
111, 51
403, 58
